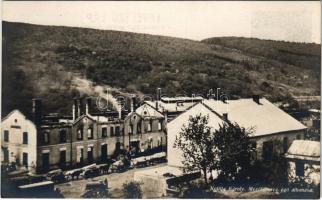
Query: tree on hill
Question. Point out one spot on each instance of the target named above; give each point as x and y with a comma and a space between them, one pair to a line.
227, 150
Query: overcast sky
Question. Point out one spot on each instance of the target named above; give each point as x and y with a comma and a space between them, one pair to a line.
290, 21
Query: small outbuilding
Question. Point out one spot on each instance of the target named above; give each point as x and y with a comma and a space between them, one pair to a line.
304, 161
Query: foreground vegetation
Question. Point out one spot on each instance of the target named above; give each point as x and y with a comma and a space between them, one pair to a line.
229, 152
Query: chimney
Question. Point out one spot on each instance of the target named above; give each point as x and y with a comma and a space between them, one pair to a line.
158, 94
157, 105
81, 108
158, 98
75, 109
210, 94
120, 109
36, 111
225, 116
256, 99
88, 105
133, 103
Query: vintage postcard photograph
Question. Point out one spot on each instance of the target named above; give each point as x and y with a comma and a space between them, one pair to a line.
161, 99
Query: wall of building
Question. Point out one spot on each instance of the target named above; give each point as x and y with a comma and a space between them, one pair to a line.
54, 154
73, 143
277, 141
16, 123
155, 137
311, 172
72, 146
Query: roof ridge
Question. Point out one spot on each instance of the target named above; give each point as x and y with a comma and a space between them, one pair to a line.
216, 113
152, 107
189, 108
82, 116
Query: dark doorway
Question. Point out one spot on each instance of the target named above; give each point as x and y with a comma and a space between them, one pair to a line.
25, 159
90, 154
45, 161
299, 168
117, 149
5, 155
117, 146
104, 152
268, 148
81, 159
150, 144
285, 144
62, 159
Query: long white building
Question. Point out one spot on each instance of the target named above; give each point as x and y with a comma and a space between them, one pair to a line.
273, 130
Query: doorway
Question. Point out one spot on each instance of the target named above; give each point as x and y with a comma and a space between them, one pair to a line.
62, 159
25, 159
104, 152
45, 161
90, 157
5, 155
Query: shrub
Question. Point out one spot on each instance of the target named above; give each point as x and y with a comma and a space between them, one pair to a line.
132, 190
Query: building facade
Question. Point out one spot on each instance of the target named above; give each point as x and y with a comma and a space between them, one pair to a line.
82, 139
18, 140
146, 129
272, 130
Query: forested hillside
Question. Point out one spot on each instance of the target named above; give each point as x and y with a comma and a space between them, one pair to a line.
48, 61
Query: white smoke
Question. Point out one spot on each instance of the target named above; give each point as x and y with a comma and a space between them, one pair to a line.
87, 87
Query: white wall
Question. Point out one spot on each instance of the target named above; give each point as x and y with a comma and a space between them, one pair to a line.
16, 123
174, 127
278, 141
175, 156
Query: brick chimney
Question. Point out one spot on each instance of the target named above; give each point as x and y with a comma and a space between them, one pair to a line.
81, 108
75, 109
133, 103
158, 98
256, 99
36, 111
